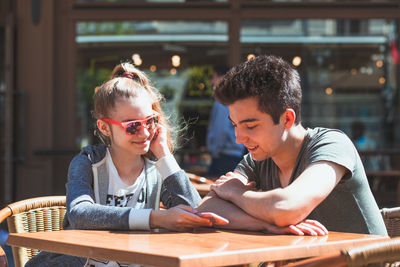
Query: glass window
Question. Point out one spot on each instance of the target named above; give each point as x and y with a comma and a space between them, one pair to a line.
347, 70
2, 106
325, 1
177, 56
148, 1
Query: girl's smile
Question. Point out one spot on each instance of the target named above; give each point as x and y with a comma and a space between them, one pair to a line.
142, 143
129, 109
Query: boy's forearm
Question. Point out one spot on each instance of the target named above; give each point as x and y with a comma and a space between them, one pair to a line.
238, 219
271, 207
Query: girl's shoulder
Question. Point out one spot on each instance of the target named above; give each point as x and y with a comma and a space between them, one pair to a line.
84, 161
94, 153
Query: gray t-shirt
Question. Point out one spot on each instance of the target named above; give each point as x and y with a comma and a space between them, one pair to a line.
350, 207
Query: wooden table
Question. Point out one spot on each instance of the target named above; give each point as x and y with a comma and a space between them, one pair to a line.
203, 189
203, 247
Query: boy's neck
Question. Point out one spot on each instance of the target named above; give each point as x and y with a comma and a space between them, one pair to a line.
287, 158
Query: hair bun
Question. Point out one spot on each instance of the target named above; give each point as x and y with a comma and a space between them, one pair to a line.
128, 75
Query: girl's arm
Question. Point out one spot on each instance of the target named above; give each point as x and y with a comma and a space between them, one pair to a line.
177, 188
82, 211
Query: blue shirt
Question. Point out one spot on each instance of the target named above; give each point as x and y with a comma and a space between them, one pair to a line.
221, 137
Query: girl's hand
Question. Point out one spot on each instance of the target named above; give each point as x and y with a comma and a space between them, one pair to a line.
179, 218
159, 145
306, 227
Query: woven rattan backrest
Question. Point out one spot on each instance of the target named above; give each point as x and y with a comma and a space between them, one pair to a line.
391, 216
386, 253
40, 214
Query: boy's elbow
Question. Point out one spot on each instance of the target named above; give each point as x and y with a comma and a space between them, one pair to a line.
284, 221
285, 214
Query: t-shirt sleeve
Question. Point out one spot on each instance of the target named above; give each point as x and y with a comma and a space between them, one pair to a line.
334, 146
247, 167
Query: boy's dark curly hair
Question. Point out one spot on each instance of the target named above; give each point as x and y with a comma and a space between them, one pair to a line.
272, 80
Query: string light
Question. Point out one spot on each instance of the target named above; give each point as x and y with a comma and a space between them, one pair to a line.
250, 56
176, 61
137, 60
328, 91
153, 68
296, 61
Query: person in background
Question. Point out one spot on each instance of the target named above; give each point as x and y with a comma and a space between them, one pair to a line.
118, 185
291, 173
360, 140
225, 152
364, 143
372, 161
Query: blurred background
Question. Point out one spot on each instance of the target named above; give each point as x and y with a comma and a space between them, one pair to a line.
54, 53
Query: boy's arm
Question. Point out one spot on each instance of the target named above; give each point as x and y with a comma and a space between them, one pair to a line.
238, 219
283, 206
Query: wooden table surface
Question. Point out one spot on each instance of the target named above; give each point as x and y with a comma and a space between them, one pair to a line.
203, 189
203, 247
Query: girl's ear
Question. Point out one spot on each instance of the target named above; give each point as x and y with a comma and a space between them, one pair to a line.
103, 127
290, 117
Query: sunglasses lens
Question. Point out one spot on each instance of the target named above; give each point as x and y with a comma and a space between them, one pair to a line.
151, 123
133, 127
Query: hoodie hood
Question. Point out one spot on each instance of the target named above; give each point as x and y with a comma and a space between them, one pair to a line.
95, 153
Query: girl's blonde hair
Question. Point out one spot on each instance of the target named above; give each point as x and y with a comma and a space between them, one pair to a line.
126, 81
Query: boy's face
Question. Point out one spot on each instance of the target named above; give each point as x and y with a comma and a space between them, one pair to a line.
256, 130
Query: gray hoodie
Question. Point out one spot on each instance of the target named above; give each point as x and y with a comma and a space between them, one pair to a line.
87, 188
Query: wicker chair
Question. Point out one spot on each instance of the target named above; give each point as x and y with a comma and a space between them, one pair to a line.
39, 214
386, 253
3, 258
391, 216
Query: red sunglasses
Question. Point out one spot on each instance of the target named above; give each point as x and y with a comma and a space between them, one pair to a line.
133, 127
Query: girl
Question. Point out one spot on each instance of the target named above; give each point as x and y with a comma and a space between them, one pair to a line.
119, 185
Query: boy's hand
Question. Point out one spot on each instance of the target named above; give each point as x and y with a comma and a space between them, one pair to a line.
306, 227
230, 185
